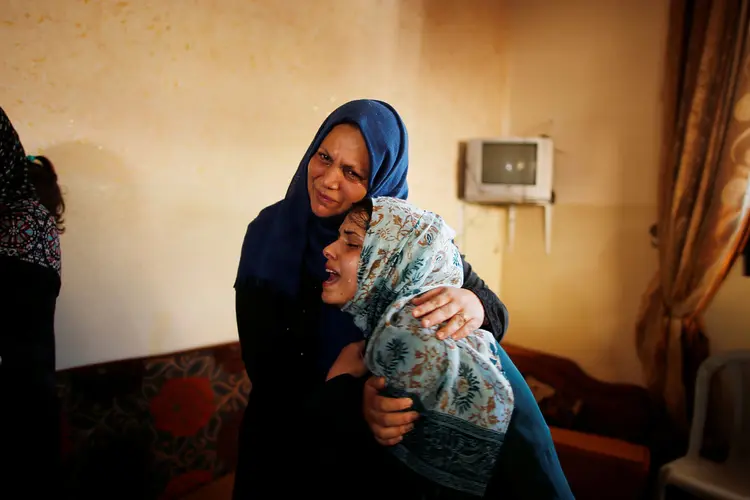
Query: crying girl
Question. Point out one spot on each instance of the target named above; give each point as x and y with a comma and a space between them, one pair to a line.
387, 253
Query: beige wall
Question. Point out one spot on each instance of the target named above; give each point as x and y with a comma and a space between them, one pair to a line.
588, 73
173, 124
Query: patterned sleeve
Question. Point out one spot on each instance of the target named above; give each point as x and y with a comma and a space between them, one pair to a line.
14, 182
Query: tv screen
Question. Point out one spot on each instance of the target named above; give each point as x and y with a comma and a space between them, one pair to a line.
509, 164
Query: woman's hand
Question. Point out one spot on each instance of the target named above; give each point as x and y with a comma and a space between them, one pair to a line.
386, 416
350, 361
460, 309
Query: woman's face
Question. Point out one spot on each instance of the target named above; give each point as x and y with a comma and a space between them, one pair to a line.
343, 261
338, 173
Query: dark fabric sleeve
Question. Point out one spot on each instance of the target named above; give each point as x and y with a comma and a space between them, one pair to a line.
14, 181
293, 420
253, 309
495, 312
527, 466
339, 447
269, 435
326, 409
30, 423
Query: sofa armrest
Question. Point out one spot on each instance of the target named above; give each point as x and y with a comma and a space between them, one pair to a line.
620, 411
604, 446
221, 489
596, 464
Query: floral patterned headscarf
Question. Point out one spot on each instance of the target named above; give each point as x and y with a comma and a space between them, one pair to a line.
458, 387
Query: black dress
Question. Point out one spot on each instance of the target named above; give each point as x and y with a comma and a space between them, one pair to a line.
29, 412
294, 419
296, 426
29, 286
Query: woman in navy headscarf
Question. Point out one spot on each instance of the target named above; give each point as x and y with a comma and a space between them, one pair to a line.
289, 338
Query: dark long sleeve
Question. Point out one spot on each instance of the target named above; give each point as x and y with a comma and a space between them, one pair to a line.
294, 420
28, 295
276, 359
528, 465
495, 312
14, 181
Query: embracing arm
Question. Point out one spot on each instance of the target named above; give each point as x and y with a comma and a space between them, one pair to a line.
495, 312
462, 310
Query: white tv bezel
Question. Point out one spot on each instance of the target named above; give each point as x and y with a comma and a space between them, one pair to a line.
475, 191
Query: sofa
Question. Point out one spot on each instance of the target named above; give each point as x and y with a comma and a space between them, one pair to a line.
158, 427
603, 432
165, 427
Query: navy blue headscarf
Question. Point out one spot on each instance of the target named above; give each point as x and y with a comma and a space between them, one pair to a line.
287, 235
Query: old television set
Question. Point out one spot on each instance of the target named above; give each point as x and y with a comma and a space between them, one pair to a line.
507, 171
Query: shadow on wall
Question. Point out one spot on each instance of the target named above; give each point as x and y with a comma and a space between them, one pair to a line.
105, 235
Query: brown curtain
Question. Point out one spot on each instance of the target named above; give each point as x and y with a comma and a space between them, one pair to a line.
703, 181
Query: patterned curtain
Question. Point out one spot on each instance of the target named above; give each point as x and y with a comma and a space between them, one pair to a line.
703, 190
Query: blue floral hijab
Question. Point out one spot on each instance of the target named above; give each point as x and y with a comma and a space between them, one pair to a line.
459, 387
